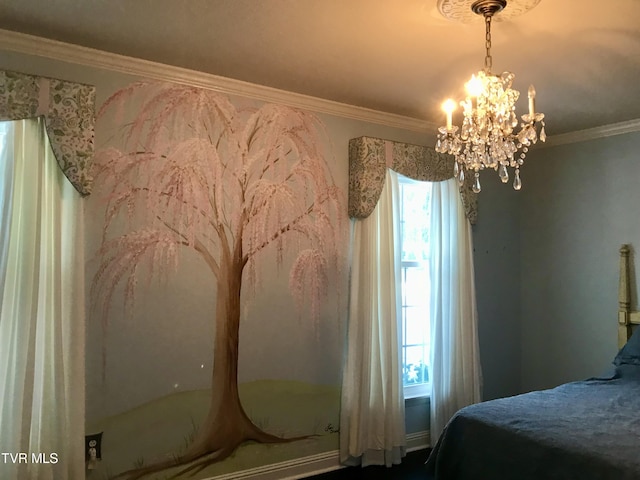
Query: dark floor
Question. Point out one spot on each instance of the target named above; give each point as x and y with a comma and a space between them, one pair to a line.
411, 468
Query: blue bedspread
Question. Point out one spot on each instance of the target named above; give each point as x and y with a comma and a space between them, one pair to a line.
588, 430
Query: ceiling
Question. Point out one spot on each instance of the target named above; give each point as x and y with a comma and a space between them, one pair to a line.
396, 56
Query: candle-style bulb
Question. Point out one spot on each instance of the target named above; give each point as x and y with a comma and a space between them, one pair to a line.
449, 106
474, 86
532, 101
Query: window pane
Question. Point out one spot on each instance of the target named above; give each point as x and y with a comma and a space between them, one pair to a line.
416, 287
416, 326
415, 220
415, 370
414, 230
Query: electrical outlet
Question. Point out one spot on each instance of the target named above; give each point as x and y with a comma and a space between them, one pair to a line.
93, 447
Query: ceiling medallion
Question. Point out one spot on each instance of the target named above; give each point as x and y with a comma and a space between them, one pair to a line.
459, 11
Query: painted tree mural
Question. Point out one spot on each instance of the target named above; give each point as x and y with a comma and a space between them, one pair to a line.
195, 172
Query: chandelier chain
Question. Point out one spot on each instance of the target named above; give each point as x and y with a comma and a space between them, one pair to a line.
488, 61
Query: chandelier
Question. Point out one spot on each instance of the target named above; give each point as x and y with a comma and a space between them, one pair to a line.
488, 137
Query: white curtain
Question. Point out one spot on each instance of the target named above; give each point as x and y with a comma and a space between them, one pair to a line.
455, 359
41, 311
372, 428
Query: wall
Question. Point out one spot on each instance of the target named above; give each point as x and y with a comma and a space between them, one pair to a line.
546, 257
496, 242
141, 350
579, 204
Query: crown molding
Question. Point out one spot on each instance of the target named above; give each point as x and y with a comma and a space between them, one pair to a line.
593, 133
66, 52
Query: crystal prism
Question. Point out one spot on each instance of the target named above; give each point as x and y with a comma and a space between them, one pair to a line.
517, 183
503, 174
476, 183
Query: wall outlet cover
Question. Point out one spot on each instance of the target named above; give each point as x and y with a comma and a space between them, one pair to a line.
93, 447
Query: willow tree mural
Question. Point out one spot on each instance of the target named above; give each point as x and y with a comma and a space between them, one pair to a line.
194, 172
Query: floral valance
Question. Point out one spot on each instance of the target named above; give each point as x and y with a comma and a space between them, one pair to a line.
369, 159
69, 112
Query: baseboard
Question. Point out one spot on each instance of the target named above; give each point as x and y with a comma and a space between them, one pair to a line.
313, 464
289, 470
418, 441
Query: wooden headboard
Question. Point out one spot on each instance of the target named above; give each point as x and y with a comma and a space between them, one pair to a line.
627, 318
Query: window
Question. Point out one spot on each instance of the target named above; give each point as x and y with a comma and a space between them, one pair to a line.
414, 209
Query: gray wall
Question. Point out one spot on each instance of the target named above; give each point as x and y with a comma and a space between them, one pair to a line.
580, 203
546, 261
497, 268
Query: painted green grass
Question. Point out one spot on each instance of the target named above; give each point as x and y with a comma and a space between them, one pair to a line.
164, 427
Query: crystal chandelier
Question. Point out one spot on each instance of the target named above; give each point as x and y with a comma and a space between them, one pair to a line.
487, 138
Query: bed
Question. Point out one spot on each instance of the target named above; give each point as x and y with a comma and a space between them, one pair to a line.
584, 430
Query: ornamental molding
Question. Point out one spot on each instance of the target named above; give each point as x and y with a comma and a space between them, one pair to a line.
460, 10
603, 131
66, 52
74, 54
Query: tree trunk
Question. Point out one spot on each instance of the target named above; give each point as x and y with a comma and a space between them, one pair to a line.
226, 425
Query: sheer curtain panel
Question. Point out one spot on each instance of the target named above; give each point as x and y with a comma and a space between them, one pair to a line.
372, 428
455, 358
41, 310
